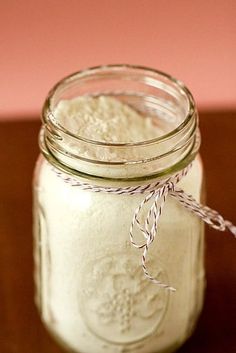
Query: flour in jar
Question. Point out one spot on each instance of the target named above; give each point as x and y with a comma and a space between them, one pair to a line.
92, 290
105, 119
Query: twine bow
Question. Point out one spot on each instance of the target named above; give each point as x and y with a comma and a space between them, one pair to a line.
157, 193
158, 197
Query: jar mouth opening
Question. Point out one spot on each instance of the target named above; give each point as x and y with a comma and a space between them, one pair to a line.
50, 119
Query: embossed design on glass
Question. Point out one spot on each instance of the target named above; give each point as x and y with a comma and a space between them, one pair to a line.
119, 304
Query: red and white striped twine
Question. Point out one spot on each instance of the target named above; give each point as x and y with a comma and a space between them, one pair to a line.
157, 193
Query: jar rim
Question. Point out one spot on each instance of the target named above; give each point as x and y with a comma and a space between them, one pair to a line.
49, 118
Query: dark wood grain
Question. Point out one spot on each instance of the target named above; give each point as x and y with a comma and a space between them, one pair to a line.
20, 328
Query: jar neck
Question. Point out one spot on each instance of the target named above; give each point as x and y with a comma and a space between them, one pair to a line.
150, 92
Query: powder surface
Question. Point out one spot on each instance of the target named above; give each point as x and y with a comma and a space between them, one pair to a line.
105, 119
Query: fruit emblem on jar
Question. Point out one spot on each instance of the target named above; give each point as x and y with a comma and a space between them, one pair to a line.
119, 305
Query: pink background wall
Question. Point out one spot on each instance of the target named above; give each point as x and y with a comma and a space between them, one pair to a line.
42, 41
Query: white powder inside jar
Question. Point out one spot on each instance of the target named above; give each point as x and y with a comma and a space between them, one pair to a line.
94, 296
105, 119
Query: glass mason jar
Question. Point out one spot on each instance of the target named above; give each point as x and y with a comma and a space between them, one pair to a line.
90, 287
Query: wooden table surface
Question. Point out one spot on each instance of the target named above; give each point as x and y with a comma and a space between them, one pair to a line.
20, 328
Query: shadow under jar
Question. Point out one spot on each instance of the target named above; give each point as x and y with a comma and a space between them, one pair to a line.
90, 287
